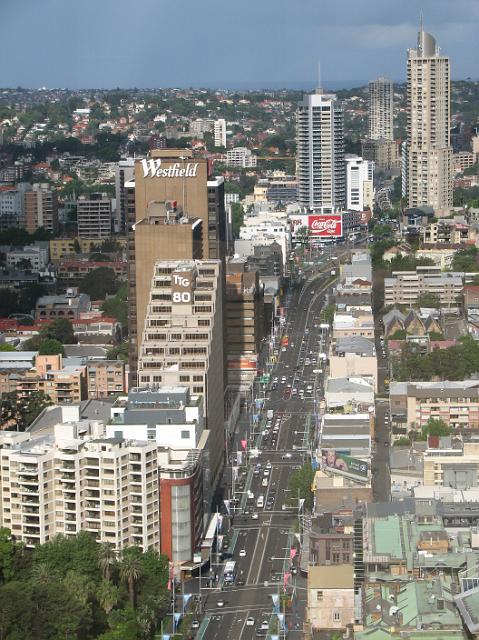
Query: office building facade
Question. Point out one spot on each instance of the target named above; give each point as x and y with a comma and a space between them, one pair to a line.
428, 153
94, 216
181, 342
321, 171
381, 109
124, 172
41, 208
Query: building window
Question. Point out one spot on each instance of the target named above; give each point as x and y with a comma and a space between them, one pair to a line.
185, 435
184, 378
335, 558
336, 616
319, 596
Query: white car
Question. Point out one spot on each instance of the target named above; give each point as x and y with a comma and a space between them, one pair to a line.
250, 622
220, 603
264, 482
254, 516
242, 553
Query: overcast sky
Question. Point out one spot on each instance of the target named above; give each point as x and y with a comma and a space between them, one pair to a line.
224, 43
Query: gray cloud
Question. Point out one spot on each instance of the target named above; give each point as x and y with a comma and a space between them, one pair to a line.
186, 42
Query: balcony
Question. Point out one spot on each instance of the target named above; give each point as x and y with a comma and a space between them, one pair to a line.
29, 490
28, 471
32, 531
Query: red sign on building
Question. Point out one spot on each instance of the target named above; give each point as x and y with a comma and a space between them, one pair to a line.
326, 226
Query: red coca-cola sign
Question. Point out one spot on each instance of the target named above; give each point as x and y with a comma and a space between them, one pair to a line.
326, 226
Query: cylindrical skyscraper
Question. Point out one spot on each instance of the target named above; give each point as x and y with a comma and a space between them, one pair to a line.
429, 152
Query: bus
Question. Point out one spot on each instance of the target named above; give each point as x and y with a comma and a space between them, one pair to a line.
229, 573
285, 341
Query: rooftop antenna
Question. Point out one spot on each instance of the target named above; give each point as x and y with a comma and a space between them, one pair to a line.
421, 21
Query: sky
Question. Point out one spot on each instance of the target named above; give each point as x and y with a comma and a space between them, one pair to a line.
225, 43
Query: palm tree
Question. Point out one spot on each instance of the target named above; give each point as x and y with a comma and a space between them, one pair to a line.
106, 560
107, 595
42, 573
130, 572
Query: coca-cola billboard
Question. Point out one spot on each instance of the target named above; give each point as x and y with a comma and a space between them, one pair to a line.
326, 226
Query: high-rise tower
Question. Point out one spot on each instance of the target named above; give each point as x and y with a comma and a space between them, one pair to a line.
428, 171
381, 109
320, 152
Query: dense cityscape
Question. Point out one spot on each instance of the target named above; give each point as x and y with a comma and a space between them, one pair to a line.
239, 358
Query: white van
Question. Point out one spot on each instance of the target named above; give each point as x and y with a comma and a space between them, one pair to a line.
260, 501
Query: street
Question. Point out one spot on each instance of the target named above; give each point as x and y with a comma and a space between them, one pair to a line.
262, 547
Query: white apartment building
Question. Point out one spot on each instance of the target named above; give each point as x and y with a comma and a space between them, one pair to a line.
182, 341
241, 158
428, 153
219, 131
321, 171
406, 287
12, 208
381, 109
201, 126
76, 479
359, 183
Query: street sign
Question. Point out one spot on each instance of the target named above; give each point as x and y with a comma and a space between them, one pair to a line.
265, 378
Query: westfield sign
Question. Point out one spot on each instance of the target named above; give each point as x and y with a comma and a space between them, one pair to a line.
327, 226
153, 169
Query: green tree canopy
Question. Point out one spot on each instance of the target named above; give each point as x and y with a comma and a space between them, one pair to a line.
436, 427
99, 283
60, 329
301, 483
50, 347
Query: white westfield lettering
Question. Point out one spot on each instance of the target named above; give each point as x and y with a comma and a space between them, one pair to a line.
153, 169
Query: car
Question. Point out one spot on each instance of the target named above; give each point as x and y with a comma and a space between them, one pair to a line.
283, 379
195, 624
268, 464
269, 506
287, 456
274, 386
264, 482
242, 553
283, 349
240, 583
254, 516
386, 444
220, 603
250, 622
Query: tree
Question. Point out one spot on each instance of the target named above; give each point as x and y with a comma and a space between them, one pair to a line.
119, 352
50, 347
99, 283
60, 329
429, 300
301, 483
436, 427
18, 413
237, 213
117, 306
6, 346
108, 596
130, 574
106, 560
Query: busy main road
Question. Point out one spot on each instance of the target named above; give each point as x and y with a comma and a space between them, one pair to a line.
263, 539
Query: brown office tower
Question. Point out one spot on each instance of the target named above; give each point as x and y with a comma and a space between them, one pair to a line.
244, 321
41, 208
174, 213
182, 339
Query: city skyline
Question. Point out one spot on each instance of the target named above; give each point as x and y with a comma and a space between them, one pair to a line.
353, 44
